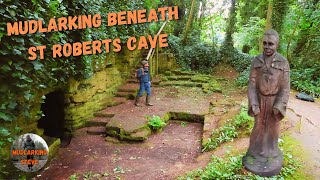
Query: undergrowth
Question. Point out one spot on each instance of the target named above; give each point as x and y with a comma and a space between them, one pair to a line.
230, 167
155, 122
231, 130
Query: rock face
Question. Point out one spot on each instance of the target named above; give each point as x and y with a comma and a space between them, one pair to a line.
82, 97
90, 95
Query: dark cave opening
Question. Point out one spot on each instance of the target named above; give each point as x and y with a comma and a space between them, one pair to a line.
53, 121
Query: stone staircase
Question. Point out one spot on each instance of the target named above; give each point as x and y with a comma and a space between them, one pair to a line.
96, 125
190, 79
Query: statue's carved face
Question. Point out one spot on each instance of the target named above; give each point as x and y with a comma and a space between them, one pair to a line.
270, 45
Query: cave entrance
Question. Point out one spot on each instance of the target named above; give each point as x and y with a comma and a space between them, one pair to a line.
53, 120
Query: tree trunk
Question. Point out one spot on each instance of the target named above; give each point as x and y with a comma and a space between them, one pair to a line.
184, 41
269, 15
178, 28
292, 34
268, 23
228, 42
203, 9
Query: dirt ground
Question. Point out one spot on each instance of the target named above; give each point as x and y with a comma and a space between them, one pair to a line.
177, 147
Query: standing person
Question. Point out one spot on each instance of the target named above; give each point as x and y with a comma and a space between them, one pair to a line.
143, 76
29, 145
268, 94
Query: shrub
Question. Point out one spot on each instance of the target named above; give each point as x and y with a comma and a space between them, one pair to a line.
156, 123
197, 56
240, 123
306, 80
243, 78
240, 61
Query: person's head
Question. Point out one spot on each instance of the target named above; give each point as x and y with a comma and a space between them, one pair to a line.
29, 138
145, 63
270, 42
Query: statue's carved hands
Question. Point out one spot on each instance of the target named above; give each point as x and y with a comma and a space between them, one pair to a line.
255, 109
275, 111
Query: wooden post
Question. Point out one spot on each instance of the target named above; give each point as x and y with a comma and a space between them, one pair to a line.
157, 60
150, 51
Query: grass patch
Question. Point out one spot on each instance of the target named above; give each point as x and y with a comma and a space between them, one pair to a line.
231, 167
240, 124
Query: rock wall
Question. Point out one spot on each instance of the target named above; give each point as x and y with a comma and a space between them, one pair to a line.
167, 62
85, 97
82, 97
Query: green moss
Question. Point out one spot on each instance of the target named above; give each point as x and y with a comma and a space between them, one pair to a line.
53, 148
166, 117
212, 86
140, 135
187, 117
180, 72
200, 78
168, 73
293, 147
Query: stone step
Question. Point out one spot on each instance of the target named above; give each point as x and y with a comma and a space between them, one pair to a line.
98, 121
114, 101
128, 95
179, 78
129, 88
180, 72
210, 123
181, 83
118, 100
103, 114
97, 130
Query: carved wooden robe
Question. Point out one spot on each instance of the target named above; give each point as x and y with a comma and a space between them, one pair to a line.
269, 88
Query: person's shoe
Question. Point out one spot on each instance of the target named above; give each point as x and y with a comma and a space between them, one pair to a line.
148, 101
136, 102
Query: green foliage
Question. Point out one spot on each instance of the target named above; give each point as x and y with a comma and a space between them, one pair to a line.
306, 80
89, 175
231, 166
213, 25
196, 56
279, 11
249, 35
243, 78
23, 82
240, 123
247, 9
155, 122
183, 124
74, 177
241, 61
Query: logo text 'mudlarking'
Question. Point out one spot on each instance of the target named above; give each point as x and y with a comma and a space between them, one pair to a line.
29, 152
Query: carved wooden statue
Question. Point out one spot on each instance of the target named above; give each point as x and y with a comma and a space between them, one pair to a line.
268, 94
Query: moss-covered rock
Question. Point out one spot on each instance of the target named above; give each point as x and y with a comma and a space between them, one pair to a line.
140, 135
168, 73
181, 83
181, 72
187, 116
53, 148
211, 86
201, 78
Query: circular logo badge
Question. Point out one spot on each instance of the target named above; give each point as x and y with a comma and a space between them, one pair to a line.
29, 152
